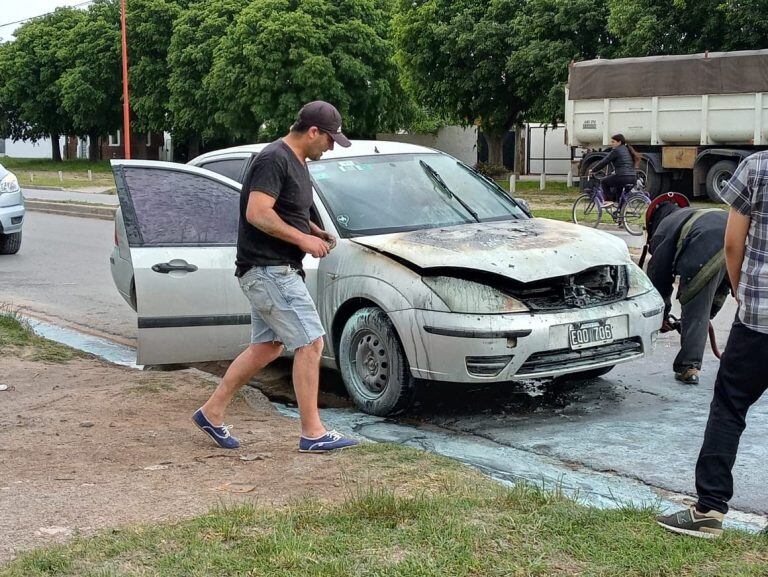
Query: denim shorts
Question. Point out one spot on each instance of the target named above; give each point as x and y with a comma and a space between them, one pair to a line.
281, 308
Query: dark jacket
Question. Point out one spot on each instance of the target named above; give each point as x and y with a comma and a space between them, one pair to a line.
623, 163
696, 260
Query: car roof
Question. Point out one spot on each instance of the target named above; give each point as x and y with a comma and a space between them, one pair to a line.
358, 148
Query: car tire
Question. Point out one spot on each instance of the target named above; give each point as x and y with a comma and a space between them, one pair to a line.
373, 364
587, 375
719, 173
10, 243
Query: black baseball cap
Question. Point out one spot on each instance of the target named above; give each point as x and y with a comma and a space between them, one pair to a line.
325, 116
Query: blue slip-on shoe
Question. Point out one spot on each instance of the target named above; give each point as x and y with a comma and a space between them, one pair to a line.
331, 441
220, 435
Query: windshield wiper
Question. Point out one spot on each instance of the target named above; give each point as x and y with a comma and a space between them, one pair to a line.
495, 188
433, 174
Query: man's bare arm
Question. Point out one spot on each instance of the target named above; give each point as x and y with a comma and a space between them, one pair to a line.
260, 212
735, 246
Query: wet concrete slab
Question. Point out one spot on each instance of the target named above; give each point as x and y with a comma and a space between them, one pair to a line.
636, 421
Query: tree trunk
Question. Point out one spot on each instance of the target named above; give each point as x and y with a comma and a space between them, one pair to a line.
94, 148
520, 144
495, 147
193, 148
55, 148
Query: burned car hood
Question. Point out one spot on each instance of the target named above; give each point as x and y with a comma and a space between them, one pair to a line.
523, 250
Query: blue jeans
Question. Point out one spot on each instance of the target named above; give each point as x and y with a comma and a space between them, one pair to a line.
281, 307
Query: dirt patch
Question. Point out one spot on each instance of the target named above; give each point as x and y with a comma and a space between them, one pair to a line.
87, 445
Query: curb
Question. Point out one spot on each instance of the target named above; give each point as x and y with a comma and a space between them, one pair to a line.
71, 209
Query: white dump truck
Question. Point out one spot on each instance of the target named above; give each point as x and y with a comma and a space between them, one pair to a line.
693, 117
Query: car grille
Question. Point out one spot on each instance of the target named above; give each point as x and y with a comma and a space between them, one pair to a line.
592, 287
557, 360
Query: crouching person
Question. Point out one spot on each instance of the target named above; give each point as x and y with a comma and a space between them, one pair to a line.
688, 243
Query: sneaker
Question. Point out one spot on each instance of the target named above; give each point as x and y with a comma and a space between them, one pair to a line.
220, 435
691, 522
331, 441
607, 204
688, 376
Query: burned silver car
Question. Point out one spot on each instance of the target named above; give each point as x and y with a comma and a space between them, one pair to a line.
438, 274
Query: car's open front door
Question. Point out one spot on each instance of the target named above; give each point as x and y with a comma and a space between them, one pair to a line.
181, 222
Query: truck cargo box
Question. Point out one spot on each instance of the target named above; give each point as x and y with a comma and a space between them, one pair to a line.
716, 98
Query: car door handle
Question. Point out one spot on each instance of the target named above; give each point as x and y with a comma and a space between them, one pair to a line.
166, 267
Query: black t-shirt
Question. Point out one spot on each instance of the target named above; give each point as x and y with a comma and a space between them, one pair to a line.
275, 171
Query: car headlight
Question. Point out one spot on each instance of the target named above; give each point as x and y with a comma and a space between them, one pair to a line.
9, 183
464, 296
639, 283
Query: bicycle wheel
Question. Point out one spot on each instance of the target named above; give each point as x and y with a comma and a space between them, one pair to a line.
586, 212
633, 214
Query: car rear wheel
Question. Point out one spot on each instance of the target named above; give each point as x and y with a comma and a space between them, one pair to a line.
10, 243
373, 364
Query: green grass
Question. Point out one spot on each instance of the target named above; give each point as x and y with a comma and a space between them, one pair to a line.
16, 337
532, 187
553, 213
45, 164
442, 520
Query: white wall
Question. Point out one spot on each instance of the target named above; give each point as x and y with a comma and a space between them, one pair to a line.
21, 149
458, 141
557, 153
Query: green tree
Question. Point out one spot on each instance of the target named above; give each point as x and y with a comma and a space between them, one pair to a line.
549, 34
746, 24
653, 27
149, 25
31, 67
91, 86
196, 35
281, 54
453, 57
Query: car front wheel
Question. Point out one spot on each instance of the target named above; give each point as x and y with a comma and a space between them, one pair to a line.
10, 243
373, 364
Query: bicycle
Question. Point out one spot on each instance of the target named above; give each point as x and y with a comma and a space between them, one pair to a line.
628, 212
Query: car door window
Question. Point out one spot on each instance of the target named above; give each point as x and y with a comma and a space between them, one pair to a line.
231, 168
173, 208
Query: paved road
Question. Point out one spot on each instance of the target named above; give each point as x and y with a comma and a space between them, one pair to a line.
62, 271
636, 421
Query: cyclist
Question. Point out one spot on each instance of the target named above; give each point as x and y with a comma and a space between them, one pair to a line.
625, 161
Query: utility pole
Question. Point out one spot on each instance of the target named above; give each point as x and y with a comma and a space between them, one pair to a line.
126, 101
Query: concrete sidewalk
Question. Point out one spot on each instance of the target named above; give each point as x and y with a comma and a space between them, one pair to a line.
96, 197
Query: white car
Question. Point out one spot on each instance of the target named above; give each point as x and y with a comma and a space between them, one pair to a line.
438, 274
11, 212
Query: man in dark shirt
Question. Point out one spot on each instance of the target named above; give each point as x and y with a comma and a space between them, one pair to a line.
275, 233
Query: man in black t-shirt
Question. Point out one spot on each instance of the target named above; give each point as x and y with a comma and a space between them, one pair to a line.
274, 235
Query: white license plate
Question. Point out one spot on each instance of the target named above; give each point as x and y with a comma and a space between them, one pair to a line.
590, 334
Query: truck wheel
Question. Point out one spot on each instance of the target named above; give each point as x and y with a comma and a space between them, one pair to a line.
717, 176
654, 183
373, 364
10, 243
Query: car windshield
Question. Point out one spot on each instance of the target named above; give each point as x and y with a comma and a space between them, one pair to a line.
401, 192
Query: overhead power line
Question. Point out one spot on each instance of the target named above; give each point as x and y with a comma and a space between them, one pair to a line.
44, 14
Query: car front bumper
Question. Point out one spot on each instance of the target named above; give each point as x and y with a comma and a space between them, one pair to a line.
469, 348
11, 218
